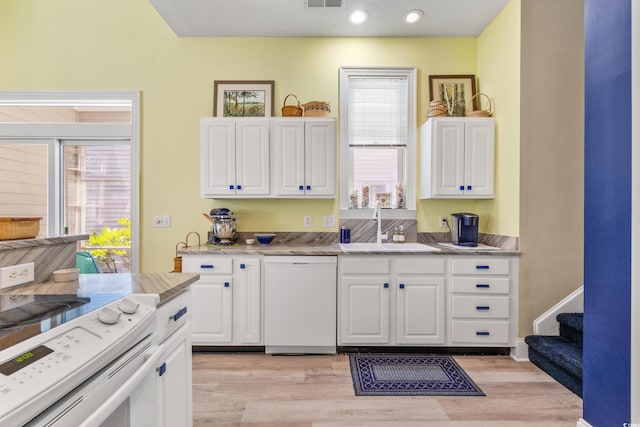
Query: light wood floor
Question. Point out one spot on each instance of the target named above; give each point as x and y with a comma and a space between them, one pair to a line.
286, 391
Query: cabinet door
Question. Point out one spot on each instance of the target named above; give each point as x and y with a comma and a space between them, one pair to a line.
420, 310
252, 157
175, 381
479, 157
212, 310
247, 301
288, 157
217, 157
448, 158
364, 310
320, 161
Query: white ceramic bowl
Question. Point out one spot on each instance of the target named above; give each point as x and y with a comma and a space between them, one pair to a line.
66, 275
250, 241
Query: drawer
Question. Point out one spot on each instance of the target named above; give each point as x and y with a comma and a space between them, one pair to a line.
487, 266
480, 285
205, 264
420, 265
478, 307
480, 332
172, 314
373, 264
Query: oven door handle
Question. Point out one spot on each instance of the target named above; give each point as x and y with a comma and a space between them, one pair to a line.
153, 356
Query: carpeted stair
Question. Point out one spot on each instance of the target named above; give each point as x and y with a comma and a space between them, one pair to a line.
560, 356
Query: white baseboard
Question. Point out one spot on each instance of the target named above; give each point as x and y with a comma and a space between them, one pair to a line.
583, 423
520, 353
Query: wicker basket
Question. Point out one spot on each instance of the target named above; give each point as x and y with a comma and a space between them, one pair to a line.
291, 110
316, 109
480, 112
19, 228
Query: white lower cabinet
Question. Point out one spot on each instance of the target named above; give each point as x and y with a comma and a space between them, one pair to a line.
174, 388
226, 300
388, 300
433, 300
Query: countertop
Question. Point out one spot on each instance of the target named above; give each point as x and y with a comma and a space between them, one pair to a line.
166, 285
292, 249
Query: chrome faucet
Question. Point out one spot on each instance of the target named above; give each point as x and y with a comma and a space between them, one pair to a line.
377, 214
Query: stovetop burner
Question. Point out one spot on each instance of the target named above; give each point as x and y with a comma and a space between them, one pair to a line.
24, 316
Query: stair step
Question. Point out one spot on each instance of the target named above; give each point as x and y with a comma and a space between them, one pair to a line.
572, 320
565, 354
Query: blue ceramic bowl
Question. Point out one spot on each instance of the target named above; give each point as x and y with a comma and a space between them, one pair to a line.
265, 238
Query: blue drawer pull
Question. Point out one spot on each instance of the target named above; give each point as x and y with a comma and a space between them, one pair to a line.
468, 187
483, 285
206, 266
227, 284
179, 314
300, 187
483, 307
482, 267
243, 266
483, 333
239, 187
386, 285
308, 187
462, 188
401, 285
162, 369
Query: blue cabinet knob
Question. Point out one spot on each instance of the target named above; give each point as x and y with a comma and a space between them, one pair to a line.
401, 285
386, 286
239, 187
308, 187
162, 369
469, 187
243, 266
227, 284
462, 188
231, 187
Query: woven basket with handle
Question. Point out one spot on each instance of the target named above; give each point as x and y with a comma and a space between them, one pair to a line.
481, 111
291, 110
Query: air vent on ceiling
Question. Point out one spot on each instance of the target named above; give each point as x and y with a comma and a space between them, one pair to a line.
324, 3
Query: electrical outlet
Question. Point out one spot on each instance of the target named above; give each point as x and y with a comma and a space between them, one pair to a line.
162, 221
444, 223
329, 220
16, 275
307, 221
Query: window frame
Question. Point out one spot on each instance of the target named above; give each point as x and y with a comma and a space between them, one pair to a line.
346, 158
84, 132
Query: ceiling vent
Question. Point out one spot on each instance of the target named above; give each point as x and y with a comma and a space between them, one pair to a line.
324, 3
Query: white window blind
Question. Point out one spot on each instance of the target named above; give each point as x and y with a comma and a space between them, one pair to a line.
378, 111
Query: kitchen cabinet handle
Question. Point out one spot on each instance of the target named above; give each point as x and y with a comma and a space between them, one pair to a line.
401, 285
308, 187
301, 187
231, 187
483, 333
469, 187
482, 267
242, 266
483, 307
162, 369
179, 314
227, 284
239, 187
206, 266
386, 286
462, 188
483, 285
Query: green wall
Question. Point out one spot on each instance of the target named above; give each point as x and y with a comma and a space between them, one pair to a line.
125, 45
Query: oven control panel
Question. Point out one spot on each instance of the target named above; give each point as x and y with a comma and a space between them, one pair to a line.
54, 362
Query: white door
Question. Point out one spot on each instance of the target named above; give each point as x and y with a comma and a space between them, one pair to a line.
252, 157
448, 158
247, 313
320, 157
212, 310
217, 157
479, 157
288, 157
420, 310
364, 310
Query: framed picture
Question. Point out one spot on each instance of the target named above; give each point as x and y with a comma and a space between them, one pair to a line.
243, 98
455, 92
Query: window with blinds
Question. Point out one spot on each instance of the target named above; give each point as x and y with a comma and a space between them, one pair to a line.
377, 113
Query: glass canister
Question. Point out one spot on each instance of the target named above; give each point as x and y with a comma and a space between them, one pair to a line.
345, 234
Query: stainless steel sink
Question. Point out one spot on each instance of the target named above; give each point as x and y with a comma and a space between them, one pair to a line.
387, 247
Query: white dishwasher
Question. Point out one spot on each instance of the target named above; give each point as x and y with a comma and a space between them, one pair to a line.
300, 304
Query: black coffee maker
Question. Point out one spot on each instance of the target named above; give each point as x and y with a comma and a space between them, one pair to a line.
464, 230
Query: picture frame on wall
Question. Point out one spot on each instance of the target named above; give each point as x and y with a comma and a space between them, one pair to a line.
243, 98
455, 91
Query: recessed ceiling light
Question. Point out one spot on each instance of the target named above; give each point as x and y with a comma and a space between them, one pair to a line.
413, 16
358, 17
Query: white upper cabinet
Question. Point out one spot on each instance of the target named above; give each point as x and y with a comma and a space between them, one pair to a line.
457, 158
303, 153
234, 157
